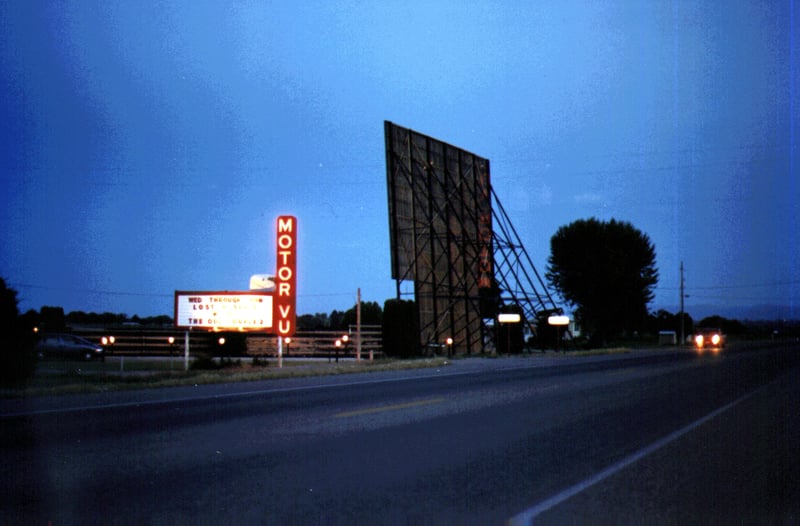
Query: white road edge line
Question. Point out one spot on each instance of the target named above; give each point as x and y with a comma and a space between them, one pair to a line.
527, 517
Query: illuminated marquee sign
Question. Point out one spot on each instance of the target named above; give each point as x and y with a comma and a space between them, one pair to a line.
286, 276
224, 310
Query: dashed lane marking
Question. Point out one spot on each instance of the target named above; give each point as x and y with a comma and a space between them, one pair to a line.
386, 408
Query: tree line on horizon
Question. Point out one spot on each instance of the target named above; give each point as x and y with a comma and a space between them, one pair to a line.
54, 318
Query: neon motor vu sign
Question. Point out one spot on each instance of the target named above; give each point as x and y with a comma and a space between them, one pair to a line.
272, 312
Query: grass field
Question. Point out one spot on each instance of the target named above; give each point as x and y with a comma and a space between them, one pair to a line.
117, 373
120, 372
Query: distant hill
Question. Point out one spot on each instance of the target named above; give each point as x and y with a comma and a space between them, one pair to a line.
761, 312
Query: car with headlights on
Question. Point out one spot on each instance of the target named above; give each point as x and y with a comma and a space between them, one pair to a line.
68, 347
708, 338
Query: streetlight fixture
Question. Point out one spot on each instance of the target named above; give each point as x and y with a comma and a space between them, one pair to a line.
558, 321
507, 319
337, 344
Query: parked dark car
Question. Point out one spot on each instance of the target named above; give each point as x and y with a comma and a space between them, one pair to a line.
68, 347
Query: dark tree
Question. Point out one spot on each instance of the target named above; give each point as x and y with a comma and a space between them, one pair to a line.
606, 270
335, 319
371, 314
313, 322
17, 358
666, 321
52, 319
724, 324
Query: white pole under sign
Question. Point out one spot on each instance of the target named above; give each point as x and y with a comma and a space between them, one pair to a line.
186, 351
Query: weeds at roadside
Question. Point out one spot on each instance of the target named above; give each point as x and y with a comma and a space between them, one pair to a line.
102, 378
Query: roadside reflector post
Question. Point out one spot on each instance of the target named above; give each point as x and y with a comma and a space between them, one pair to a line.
280, 352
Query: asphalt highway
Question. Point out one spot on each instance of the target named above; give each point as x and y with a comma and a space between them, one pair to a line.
649, 437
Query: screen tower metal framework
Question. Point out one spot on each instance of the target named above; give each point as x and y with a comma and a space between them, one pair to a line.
452, 238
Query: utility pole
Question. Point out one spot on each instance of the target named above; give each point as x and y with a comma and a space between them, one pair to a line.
358, 325
683, 337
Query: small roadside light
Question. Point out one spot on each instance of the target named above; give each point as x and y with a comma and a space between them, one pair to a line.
221, 341
171, 342
337, 344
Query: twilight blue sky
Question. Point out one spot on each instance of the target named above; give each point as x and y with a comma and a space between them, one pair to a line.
148, 146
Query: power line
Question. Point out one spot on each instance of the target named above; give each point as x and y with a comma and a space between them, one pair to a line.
92, 291
147, 294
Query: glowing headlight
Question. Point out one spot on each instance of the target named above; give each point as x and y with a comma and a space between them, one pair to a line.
715, 339
699, 340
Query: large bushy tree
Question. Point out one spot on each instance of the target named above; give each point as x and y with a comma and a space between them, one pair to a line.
371, 314
606, 271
